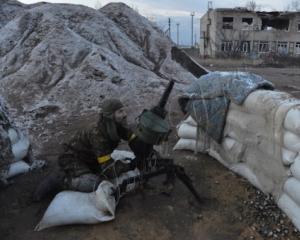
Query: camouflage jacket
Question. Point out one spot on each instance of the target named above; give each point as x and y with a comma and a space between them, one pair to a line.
93, 142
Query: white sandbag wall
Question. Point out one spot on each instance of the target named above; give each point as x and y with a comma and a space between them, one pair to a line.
14, 146
261, 141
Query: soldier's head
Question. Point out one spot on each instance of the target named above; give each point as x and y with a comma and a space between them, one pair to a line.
113, 109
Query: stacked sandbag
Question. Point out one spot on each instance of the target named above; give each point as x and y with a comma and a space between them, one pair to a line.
192, 137
71, 207
261, 141
14, 146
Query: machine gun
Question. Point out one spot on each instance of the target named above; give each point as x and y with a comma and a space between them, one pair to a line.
152, 129
163, 166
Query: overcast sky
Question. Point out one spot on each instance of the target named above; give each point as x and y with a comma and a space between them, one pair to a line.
178, 11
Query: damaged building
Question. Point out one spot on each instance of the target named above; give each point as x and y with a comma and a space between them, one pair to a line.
239, 32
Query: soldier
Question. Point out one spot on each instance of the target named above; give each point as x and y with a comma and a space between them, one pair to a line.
87, 154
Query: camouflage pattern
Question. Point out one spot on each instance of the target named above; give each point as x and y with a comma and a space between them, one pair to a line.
79, 156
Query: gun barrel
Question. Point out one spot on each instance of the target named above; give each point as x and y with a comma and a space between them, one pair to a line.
166, 94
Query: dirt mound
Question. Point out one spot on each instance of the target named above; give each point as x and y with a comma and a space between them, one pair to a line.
71, 58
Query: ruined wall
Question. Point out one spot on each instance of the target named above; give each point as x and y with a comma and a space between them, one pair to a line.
266, 32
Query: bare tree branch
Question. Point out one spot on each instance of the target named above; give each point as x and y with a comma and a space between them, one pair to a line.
135, 9
98, 4
295, 5
252, 6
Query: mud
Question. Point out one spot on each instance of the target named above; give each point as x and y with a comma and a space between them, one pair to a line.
138, 215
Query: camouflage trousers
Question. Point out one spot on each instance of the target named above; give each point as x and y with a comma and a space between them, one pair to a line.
74, 168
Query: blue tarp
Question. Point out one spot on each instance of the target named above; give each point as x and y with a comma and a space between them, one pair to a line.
215, 90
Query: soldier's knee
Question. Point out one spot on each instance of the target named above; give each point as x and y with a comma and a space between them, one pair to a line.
85, 183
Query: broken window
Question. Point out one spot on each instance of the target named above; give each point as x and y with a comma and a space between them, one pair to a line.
297, 48
275, 23
282, 47
247, 23
226, 46
264, 47
227, 23
245, 46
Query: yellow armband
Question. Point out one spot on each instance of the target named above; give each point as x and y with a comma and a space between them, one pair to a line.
104, 158
131, 138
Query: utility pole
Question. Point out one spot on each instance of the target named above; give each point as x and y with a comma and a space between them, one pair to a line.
177, 33
195, 37
169, 27
192, 15
199, 31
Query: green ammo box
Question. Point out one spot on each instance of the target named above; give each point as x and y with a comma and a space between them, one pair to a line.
152, 129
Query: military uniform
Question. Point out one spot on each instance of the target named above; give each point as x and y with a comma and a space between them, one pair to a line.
88, 152
87, 156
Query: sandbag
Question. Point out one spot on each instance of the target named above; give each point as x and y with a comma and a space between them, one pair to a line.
292, 120
190, 121
70, 207
15, 168
295, 168
288, 171
13, 136
190, 144
228, 143
288, 156
291, 141
267, 124
230, 150
20, 148
291, 209
292, 188
187, 131
243, 170
246, 122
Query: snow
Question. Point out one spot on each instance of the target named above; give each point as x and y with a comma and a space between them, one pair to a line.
62, 60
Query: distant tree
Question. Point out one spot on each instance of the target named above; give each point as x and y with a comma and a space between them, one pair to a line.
135, 9
160, 25
295, 5
287, 8
151, 18
98, 4
229, 46
252, 6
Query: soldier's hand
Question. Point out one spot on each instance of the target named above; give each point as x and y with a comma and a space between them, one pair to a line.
136, 162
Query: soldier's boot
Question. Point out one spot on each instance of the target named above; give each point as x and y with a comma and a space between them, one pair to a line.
85, 183
51, 184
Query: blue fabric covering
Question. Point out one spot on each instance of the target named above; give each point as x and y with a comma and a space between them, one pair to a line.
218, 89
